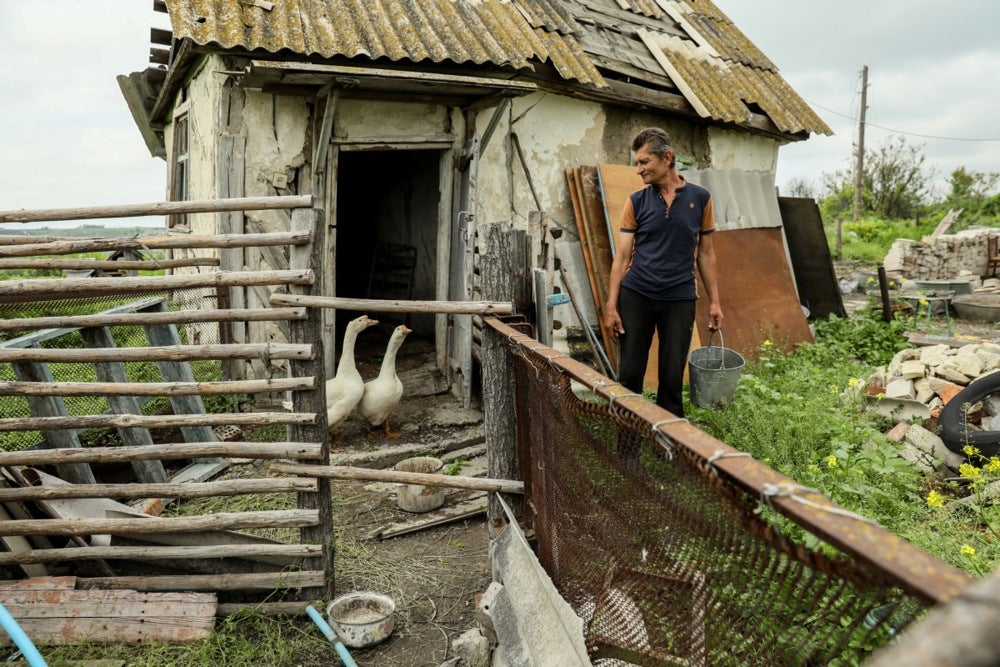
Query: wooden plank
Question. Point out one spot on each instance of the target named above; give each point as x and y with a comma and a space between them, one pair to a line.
95, 264
158, 208
590, 216
265, 581
140, 526
173, 451
143, 554
166, 317
184, 242
18, 546
64, 617
67, 583
53, 407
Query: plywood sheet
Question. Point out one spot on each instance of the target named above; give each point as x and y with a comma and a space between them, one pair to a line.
756, 293
599, 247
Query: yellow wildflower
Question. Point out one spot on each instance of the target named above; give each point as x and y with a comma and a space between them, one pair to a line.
970, 450
966, 550
831, 461
767, 343
968, 470
993, 466
935, 499
854, 382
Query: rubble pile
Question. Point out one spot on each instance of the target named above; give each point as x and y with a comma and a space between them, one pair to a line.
940, 257
918, 382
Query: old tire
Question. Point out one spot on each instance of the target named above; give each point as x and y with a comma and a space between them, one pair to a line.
952, 425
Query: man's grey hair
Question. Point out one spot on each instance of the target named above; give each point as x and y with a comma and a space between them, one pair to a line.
656, 140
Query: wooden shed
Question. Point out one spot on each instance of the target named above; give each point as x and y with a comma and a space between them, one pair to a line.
412, 122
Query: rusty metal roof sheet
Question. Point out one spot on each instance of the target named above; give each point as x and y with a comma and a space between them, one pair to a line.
498, 32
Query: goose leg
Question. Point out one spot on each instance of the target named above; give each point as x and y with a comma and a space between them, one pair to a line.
388, 432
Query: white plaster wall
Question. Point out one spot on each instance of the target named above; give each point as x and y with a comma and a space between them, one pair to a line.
740, 150
364, 120
276, 130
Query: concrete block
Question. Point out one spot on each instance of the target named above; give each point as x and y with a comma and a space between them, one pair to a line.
911, 370
923, 390
900, 389
934, 446
951, 374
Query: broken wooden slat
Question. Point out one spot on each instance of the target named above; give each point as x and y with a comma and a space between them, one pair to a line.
367, 474
468, 509
179, 450
229, 487
220, 521
153, 421
19, 546
166, 317
60, 617
171, 352
261, 581
159, 553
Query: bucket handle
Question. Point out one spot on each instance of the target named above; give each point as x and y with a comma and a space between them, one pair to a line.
711, 335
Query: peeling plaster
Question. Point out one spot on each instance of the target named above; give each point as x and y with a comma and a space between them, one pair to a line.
742, 150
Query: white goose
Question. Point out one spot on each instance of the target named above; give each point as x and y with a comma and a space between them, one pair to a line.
344, 390
383, 393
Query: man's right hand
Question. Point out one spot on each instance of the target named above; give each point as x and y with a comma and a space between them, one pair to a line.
613, 321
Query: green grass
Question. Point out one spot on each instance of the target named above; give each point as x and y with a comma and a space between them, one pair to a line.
802, 414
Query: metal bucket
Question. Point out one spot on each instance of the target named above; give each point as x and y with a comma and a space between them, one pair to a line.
713, 372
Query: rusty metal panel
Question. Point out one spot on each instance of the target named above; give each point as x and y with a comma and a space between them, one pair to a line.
812, 263
758, 297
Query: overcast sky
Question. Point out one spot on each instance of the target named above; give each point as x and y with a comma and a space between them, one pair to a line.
67, 139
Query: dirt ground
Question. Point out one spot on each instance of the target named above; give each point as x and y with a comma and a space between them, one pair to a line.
433, 574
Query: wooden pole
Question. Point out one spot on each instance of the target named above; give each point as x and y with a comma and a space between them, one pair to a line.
400, 477
390, 306
153, 388
265, 581
124, 264
159, 553
157, 208
229, 487
883, 285
166, 317
159, 353
119, 285
497, 257
175, 451
77, 246
153, 421
859, 167
150, 525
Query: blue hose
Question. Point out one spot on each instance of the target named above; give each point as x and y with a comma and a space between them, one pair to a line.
328, 631
24, 643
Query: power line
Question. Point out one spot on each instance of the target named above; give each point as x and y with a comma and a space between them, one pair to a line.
895, 131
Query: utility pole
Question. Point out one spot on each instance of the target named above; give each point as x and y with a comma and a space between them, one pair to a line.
860, 165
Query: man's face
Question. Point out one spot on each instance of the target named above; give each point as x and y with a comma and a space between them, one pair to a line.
652, 167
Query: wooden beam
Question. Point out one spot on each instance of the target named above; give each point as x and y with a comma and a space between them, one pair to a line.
125, 388
367, 474
120, 285
210, 582
173, 451
162, 353
158, 208
76, 246
154, 421
96, 264
165, 317
390, 306
230, 487
145, 526
160, 553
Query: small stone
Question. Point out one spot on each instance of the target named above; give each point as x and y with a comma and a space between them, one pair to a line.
900, 389
949, 391
911, 370
896, 433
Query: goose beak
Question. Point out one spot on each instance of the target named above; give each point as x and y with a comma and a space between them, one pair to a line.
405, 329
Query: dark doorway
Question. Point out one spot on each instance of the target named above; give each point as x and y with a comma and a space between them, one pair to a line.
387, 222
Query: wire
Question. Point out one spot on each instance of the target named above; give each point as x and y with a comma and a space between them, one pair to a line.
895, 131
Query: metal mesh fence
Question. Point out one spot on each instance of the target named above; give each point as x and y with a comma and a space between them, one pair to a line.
667, 563
124, 336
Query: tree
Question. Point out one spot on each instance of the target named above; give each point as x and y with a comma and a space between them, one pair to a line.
895, 183
974, 192
799, 187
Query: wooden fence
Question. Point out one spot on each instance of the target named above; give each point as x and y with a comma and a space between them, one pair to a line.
55, 505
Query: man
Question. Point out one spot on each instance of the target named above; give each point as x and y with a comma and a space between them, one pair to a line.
666, 228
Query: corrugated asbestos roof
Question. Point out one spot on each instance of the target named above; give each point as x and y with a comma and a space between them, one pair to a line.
497, 32
687, 47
